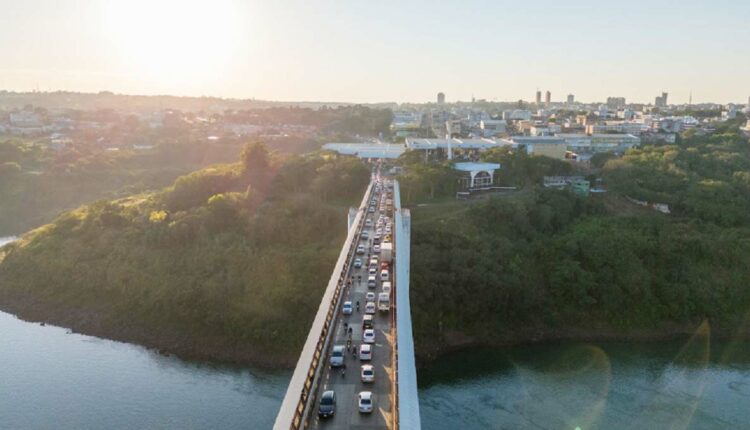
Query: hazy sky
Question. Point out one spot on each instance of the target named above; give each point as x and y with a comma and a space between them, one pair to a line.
380, 50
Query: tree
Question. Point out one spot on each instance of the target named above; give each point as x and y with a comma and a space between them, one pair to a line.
255, 157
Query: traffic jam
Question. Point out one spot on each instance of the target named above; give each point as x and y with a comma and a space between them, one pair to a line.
365, 308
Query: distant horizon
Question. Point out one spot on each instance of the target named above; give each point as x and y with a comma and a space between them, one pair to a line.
345, 102
367, 52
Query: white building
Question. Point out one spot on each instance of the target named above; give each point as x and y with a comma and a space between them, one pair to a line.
493, 127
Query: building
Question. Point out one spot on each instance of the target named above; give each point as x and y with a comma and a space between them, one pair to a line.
444, 148
406, 124
492, 127
615, 103
549, 146
548, 98
441, 98
517, 115
367, 150
478, 175
571, 99
661, 101
538, 97
616, 127
587, 145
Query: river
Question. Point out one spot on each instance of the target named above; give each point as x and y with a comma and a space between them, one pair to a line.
676, 385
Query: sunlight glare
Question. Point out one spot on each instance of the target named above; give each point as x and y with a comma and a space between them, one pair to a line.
173, 41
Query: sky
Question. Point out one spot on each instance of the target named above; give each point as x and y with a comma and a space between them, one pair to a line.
380, 50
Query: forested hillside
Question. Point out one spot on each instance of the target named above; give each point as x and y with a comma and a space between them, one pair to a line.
228, 263
547, 264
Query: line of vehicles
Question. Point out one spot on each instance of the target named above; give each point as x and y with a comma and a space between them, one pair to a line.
376, 250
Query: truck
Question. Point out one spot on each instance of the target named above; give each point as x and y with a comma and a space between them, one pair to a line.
386, 251
384, 302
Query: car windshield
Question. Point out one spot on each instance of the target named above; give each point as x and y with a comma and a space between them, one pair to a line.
365, 401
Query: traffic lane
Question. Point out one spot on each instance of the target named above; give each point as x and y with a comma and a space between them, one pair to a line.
348, 384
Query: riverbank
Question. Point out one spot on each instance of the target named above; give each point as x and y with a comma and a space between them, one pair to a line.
186, 345
456, 341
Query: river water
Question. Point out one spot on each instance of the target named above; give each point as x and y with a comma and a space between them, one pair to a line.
53, 379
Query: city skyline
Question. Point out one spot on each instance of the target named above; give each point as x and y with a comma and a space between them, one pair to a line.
285, 51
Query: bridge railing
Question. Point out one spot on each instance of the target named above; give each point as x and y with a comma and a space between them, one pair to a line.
294, 410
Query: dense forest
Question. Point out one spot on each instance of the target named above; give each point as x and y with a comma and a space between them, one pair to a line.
227, 263
547, 264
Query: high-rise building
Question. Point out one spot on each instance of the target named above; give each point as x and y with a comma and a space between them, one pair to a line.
441, 98
571, 99
538, 97
661, 101
615, 102
548, 98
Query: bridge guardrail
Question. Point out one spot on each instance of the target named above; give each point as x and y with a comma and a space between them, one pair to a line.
309, 386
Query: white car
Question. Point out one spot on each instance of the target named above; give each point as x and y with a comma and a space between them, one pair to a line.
368, 336
357, 263
370, 308
368, 222
370, 296
365, 352
360, 249
368, 373
371, 283
365, 402
372, 271
347, 307
376, 249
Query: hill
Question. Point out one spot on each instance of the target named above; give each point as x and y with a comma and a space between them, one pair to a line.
226, 264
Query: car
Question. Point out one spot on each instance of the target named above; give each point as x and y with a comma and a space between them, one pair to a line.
368, 336
327, 405
376, 248
368, 222
368, 373
371, 282
367, 322
370, 308
337, 356
374, 260
347, 307
384, 275
365, 352
370, 296
365, 402
357, 263
360, 249
371, 210
365, 235
372, 270
387, 287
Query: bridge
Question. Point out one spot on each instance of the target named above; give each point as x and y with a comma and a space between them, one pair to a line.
339, 331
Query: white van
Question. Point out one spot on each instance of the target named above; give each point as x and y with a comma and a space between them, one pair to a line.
387, 287
384, 302
384, 275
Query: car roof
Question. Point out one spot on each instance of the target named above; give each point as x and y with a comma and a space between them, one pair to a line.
365, 394
366, 347
329, 393
367, 367
338, 347
369, 329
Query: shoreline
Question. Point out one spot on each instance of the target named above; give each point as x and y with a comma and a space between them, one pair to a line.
210, 349
203, 348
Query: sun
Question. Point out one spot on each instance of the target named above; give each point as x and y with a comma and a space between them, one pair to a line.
172, 41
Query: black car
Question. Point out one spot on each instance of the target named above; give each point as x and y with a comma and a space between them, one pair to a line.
327, 404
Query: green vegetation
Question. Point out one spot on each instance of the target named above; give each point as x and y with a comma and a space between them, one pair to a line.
228, 263
546, 264
37, 182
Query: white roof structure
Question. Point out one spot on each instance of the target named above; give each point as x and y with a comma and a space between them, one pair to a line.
420, 143
475, 167
367, 150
